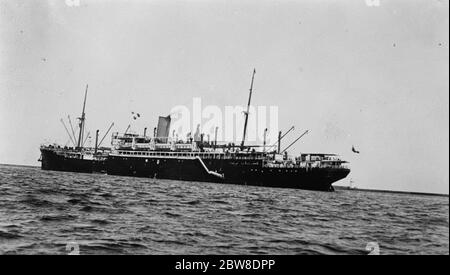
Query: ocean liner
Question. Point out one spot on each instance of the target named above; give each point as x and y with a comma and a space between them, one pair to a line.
161, 156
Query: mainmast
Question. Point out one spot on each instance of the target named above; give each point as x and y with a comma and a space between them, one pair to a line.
248, 109
82, 119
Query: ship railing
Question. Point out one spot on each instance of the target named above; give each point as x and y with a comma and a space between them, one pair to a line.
74, 152
303, 164
191, 155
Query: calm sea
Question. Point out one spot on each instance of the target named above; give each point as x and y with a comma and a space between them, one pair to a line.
45, 212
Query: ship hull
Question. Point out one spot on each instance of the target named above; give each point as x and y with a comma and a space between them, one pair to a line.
51, 160
226, 171
232, 171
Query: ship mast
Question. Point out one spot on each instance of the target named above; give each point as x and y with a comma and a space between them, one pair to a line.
248, 109
82, 119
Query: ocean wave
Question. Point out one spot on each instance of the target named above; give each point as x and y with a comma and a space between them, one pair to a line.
123, 215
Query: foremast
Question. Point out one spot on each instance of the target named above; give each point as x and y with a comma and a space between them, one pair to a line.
248, 110
82, 122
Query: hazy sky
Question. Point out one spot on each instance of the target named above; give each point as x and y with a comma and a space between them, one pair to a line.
352, 73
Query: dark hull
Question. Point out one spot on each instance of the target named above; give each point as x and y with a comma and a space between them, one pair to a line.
242, 172
234, 172
50, 160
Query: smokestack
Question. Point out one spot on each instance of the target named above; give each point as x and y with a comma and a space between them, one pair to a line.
145, 131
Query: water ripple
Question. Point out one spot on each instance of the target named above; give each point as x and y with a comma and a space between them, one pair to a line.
42, 211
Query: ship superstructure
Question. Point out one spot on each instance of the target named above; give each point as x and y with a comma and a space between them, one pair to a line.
168, 158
